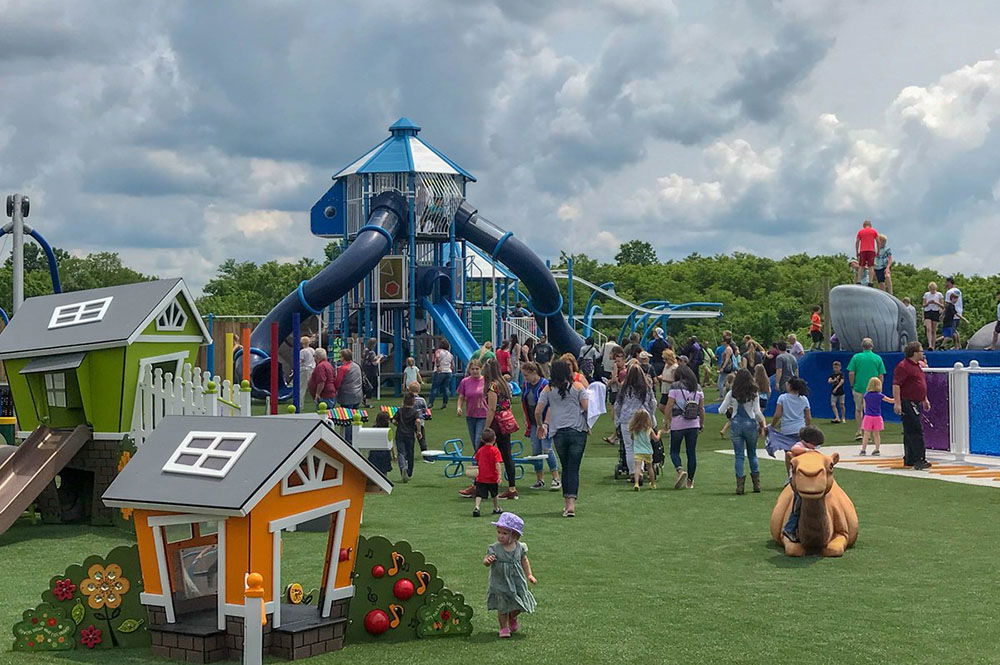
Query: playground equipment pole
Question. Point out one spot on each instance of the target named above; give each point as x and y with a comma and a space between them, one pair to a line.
296, 370
210, 350
274, 367
229, 358
569, 291
17, 210
246, 353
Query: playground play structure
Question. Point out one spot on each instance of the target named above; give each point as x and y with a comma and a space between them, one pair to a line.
415, 248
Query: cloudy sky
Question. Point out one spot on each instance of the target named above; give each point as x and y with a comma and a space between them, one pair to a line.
183, 133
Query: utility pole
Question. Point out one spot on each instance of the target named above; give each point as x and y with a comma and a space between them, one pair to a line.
17, 209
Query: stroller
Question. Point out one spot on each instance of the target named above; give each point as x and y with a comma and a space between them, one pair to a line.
621, 469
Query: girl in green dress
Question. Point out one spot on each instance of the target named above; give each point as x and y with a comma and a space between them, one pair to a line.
510, 572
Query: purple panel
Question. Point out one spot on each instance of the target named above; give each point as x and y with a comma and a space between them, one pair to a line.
937, 422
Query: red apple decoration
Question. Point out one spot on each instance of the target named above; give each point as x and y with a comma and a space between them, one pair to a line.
403, 589
376, 622
378, 571
345, 553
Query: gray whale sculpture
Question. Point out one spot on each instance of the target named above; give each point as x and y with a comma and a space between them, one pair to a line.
982, 338
857, 312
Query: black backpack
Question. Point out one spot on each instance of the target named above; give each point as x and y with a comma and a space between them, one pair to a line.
691, 409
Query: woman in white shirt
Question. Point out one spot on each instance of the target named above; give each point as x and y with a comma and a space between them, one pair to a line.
443, 371
933, 304
746, 425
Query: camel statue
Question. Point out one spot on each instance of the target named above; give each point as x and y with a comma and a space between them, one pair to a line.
828, 522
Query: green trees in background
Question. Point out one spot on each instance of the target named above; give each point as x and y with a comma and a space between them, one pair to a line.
636, 253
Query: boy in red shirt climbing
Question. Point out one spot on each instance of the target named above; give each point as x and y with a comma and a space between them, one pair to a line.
488, 460
865, 246
816, 329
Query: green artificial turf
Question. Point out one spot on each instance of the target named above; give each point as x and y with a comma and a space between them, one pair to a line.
656, 576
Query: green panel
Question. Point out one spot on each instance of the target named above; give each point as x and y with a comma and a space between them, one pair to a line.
57, 416
134, 355
482, 325
28, 417
190, 326
101, 387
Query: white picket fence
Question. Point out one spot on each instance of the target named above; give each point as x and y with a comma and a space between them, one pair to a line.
192, 392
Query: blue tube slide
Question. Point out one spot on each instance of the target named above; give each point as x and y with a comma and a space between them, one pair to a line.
450, 324
546, 301
374, 240
50, 258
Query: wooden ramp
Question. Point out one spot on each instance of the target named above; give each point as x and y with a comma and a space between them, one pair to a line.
33, 466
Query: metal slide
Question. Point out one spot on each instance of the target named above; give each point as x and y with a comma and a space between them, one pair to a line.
33, 466
373, 241
450, 324
546, 300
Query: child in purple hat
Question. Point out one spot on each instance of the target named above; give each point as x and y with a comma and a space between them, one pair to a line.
510, 572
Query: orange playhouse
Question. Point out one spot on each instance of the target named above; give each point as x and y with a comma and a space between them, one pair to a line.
211, 497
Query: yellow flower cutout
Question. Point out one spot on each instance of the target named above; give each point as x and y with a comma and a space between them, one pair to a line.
105, 586
123, 460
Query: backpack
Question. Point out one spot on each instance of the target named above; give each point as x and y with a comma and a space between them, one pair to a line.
587, 361
734, 361
691, 409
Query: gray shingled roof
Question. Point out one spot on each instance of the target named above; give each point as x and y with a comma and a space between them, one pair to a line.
28, 333
143, 483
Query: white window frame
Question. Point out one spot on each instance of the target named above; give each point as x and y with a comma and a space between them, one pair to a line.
81, 312
313, 480
53, 393
166, 321
204, 454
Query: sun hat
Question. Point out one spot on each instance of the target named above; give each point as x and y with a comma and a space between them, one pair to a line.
510, 521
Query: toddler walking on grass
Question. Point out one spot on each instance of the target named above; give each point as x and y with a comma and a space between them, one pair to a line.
643, 435
872, 424
510, 572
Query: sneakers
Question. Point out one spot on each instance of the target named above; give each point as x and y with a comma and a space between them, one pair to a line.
468, 492
556, 485
875, 453
920, 466
505, 632
511, 493
404, 477
862, 453
497, 511
475, 512
790, 536
690, 484
681, 479
539, 485
635, 488
857, 437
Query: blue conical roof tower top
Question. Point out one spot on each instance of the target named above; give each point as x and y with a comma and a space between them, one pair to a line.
404, 152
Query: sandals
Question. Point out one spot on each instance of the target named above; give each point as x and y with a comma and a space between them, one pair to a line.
569, 513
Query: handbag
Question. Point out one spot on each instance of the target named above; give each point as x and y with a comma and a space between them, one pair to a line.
506, 421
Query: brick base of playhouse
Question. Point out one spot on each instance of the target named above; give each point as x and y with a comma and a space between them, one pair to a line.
196, 638
90, 471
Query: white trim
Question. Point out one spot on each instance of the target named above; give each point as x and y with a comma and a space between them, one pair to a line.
75, 310
168, 338
298, 518
187, 518
322, 432
96, 436
220, 583
276, 574
211, 451
170, 315
313, 479
59, 350
145, 505
331, 577
157, 599
161, 564
233, 610
179, 287
338, 594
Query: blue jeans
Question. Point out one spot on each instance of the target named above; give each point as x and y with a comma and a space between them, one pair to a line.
792, 525
539, 446
690, 438
476, 427
570, 444
440, 383
743, 433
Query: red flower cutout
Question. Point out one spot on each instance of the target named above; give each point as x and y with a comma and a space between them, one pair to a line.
52, 621
64, 589
90, 637
445, 615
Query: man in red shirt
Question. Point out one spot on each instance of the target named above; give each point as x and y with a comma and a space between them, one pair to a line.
909, 392
865, 247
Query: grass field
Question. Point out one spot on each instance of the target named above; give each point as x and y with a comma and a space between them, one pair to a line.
654, 577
